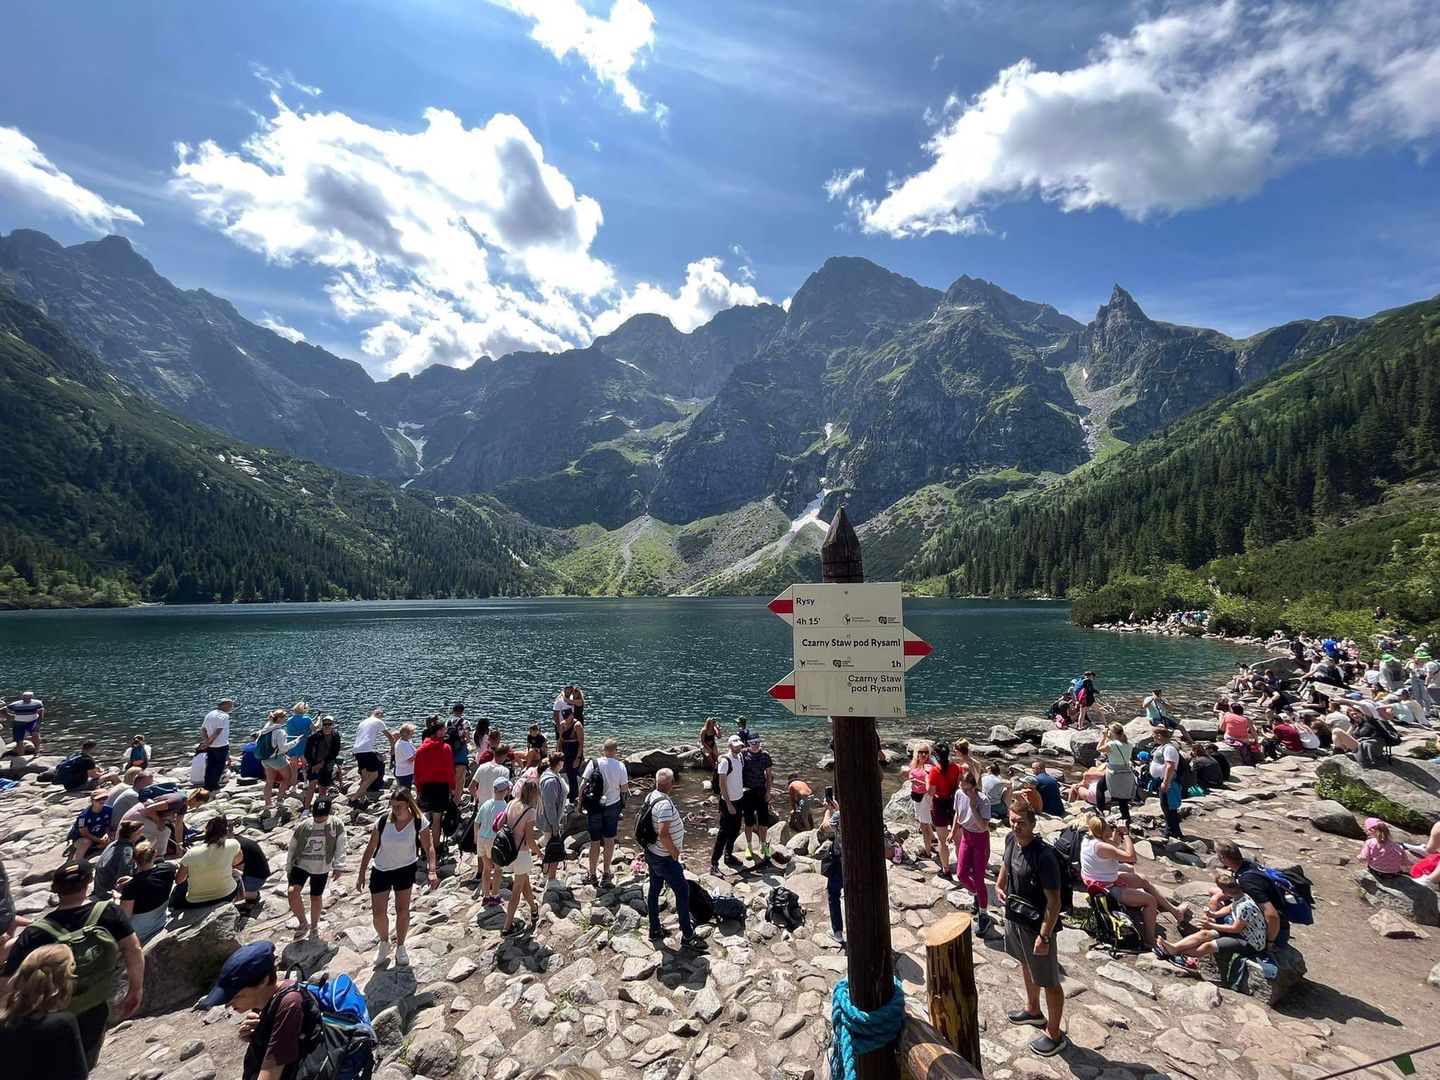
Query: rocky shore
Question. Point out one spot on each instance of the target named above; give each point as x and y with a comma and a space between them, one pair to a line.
589, 988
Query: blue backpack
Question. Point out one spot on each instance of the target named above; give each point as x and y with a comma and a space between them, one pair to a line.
1298, 901
342, 1045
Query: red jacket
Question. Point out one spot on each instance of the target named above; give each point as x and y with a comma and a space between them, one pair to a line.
435, 764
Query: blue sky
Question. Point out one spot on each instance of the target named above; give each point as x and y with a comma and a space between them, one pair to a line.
480, 175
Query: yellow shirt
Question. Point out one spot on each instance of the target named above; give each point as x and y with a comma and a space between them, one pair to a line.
210, 869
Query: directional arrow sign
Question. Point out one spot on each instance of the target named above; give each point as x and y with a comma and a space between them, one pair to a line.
850, 650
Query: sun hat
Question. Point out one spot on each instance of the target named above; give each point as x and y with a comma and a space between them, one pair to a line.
1372, 822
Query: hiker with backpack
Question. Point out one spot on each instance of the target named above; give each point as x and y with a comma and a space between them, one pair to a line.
1264, 887
660, 831
79, 771
757, 777
1029, 887
435, 778
38, 1035
270, 747
1085, 695
100, 937
1107, 865
515, 848
396, 844
315, 847
602, 790
487, 817
729, 785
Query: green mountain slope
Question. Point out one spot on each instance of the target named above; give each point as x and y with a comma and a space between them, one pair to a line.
105, 498
1282, 502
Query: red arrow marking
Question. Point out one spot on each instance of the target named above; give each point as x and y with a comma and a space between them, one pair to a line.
782, 605
783, 691
916, 647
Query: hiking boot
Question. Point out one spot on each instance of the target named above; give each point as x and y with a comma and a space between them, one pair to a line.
589, 879
1024, 1016
983, 923
693, 943
608, 881
1045, 1046
657, 935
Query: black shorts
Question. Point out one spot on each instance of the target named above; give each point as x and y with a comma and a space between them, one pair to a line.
318, 882
324, 775
434, 798
384, 881
755, 810
370, 763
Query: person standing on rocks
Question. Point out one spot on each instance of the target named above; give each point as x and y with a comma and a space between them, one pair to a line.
943, 782
1085, 697
1029, 887
570, 735
971, 836
322, 753
299, 726
393, 845
664, 859
315, 847
802, 799
1165, 770
833, 868
729, 789
98, 932
435, 777
552, 814
25, 715
520, 816
1119, 778
270, 748
487, 873
602, 809
757, 776
919, 776
368, 761
215, 743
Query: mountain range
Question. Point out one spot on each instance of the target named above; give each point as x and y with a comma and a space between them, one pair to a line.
654, 460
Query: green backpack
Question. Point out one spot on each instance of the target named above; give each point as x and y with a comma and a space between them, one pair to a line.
96, 956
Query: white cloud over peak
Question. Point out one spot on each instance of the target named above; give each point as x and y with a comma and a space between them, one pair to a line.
610, 46
706, 292
31, 179
842, 181
1202, 103
444, 244
276, 325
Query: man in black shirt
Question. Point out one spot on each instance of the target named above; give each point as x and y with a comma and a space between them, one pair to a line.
1029, 888
756, 771
73, 912
322, 750
1258, 887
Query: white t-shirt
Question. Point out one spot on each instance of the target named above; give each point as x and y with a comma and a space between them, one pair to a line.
615, 774
217, 720
369, 731
1161, 756
732, 780
404, 757
561, 705
397, 846
484, 778
312, 859
664, 812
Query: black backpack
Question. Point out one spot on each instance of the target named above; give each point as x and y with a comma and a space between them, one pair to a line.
1388, 735
783, 909
68, 772
702, 905
645, 831
463, 835
592, 795
336, 1043
1066, 847
729, 909
506, 848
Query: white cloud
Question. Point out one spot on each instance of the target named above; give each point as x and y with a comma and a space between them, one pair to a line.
31, 179
610, 46
444, 244
279, 81
842, 181
706, 292
1203, 103
276, 325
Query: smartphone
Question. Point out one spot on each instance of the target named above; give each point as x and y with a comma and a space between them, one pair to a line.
829, 794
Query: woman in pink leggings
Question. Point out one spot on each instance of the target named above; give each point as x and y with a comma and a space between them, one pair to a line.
971, 836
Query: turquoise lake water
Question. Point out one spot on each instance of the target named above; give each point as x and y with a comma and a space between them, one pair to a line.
651, 668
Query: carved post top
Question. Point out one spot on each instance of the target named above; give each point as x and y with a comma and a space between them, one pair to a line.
840, 560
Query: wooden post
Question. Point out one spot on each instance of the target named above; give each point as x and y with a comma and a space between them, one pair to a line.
862, 830
926, 1055
950, 984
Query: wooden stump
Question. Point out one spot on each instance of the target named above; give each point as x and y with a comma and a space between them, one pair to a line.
950, 984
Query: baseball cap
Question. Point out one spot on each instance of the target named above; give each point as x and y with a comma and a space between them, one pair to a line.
321, 807
502, 783
1371, 822
71, 874
735, 742
248, 965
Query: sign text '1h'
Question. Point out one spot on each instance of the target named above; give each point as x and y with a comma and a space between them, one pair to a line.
851, 650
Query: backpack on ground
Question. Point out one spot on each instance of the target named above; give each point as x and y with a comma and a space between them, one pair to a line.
1066, 847
730, 909
1298, 899
1113, 927
1388, 735
268, 745
96, 955
592, 794
506, 848
646, 832
68, 772
702, 904
782, 908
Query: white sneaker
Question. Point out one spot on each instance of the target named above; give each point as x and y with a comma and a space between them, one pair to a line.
382, 954
402, 957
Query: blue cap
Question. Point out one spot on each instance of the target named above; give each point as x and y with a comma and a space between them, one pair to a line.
1143, 755
248, 965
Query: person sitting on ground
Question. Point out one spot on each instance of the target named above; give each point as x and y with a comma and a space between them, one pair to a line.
1259, 887
140, 753
1209, 767
145, 896
1382, 856
1084, 789
38, 1035
126, 793
254, 870
1237, 926
1102, 854
710, 736
1286, 736
315, 850
1062, 710
995, 788
91, 831
117, 861
1051, 801
79, 771
207, 874
280, 1017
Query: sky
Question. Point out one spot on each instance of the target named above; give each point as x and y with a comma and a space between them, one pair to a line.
436, 180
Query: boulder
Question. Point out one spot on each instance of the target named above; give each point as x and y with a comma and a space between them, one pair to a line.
1001, 735
1270, 985
1057, 741
900, 810
1200, 730
1137, 734
649, 762
1403, 895
1388, 924
182, 961
1083, 747
1329, 816
1413, 786
433, 1052
1031, 728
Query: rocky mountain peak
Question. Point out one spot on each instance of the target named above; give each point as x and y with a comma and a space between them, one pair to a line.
116, 255
849, 294
1042, 319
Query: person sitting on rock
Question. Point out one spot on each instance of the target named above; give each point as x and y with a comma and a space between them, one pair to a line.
1259, 887
145, 895
91, 831
1237, 926
207, 874
1382, 856
1102, 854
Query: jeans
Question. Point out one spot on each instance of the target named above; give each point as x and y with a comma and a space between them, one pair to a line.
666, 870
835, 882
215, 758
147, 924
729, 830
970, 863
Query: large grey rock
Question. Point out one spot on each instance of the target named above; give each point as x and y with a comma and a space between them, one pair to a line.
1083, 747
1269, 990
1200, 730
649, 762
1329, 816
1410, 784
182, 961
1138, 734
1403, 895
1057, 741
1031, 728
432, 1052
900, 810
1001, 735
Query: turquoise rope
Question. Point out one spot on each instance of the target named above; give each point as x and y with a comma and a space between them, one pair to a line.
857, 1032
